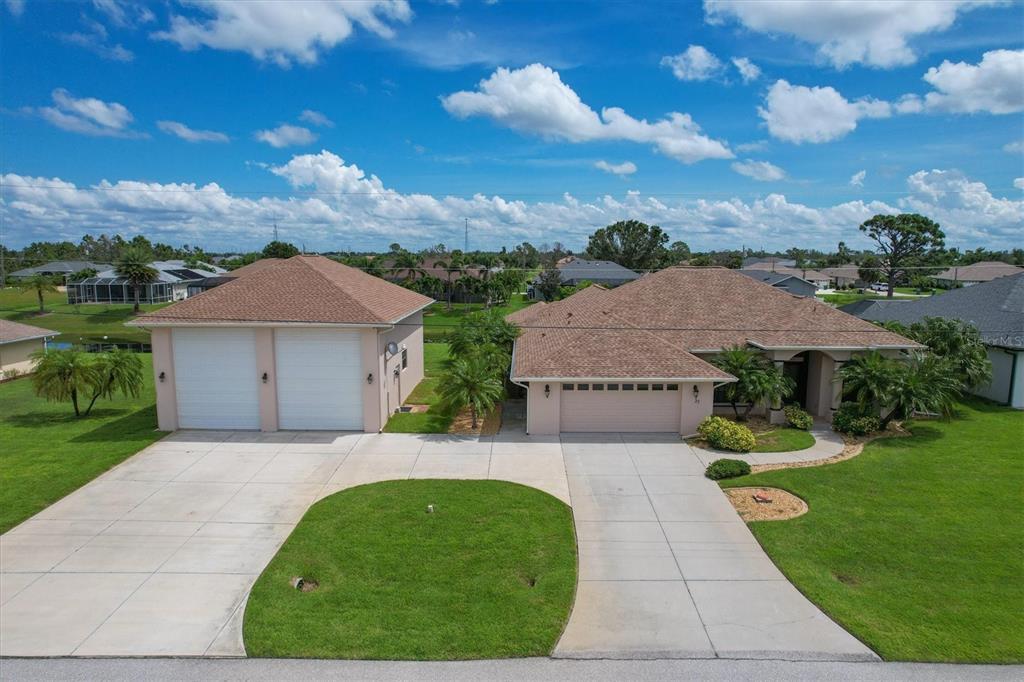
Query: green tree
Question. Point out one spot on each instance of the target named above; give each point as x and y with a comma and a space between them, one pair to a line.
678, 252
41, 285
471, 381
867, 378
902, 240
119, 371
134, 266
631, 244
62, 375
549, 283
479, 329
922, 382
958, 342
758, 382
278, 249
869, 270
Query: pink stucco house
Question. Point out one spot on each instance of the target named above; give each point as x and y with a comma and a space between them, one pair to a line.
637, 358
304, 343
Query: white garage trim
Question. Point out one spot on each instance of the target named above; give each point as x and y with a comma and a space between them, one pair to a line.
620, 409
215, 378
319, 379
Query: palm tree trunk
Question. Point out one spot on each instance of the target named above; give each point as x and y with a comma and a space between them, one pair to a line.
472, 412
39, 293
136, 309
736, 410
746, 412
97, 395
74, 401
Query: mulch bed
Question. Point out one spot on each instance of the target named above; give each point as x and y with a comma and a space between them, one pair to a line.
780, 506
488, 425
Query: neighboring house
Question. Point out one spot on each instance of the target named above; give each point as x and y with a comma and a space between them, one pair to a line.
996, 308
306, 343
217, 280
58, 268
750, 261
968, 275
574, 271
17, 343
173, 282
439, 266
790, 283
863, 307
638, 357
844, 276
819, 279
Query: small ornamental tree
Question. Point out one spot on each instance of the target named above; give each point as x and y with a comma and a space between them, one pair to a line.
471, 381
134, 266
63, 375
758, 382
41, 285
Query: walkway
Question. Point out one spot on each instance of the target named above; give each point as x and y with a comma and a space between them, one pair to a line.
827, 443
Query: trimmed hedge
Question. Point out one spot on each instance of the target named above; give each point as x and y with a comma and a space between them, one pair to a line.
798, 418
851, 419
726, 468
726, 435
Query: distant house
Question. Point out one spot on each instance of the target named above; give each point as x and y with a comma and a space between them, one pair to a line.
224, 278
58, 268
175, 281
844, 276
996, 308
791, 283
439, 266
968, 275
574, 271
17, 343
815, 277
751, 261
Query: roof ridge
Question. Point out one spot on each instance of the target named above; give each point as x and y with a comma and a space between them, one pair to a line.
308, 261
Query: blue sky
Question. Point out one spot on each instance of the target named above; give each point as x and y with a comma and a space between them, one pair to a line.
536, 121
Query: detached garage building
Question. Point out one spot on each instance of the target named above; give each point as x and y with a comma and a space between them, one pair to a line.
306, 343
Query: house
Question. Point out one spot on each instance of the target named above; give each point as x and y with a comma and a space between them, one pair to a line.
750, 261
58, 268
638, 357
996, 308
863, 307
223, 278
305, 343
441, 267
574, 271
968, 275
791, 283
17, 343
819, 279
842, 276
174, 278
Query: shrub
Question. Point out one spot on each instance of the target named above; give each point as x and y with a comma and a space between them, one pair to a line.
726, 435
726, 468
798, 418
850, 418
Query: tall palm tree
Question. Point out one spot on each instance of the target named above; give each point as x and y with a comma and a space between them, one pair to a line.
133, 265
40, 284
61, 375
472, 382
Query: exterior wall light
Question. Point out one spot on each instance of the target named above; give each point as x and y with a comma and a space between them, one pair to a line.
163, 376
547, 390
264, 377
696, 393
369, 378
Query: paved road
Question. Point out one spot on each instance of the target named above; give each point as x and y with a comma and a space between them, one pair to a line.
157, 670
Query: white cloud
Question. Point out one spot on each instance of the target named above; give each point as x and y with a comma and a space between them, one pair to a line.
286, 135
694, 64
1018, 183
534, 100
188, 134
341, 207
93, 37
749, 71
282, 32
995, 85
15, 7
796, 113
88, 115
759, 170
316, 118
755, 146
872, 32
124, 13
621, 169
1016, 147
857, 179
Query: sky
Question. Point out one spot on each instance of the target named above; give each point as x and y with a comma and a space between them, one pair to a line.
353, 125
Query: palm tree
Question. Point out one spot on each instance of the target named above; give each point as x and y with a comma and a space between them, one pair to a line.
869, 379
133, 265
119, 371
472, 381
767, 386
40, 284
409, 263
747, 366
62, 374
928, 383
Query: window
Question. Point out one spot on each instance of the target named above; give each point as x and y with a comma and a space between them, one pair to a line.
568, 387
671, 387
627, 387
657, 387
598, 387
405, 358
613, 387
642, 387
582, 387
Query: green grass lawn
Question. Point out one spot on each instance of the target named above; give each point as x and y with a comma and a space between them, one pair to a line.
438, 321
46, 452
915, 546
783, 440
437, 419
846, 297
83, 323
490, 574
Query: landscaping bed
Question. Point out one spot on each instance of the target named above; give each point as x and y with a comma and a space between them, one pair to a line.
491, 573
913, 545
765, 504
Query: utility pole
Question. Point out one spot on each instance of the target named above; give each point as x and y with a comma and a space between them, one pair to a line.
465, 243
275, 229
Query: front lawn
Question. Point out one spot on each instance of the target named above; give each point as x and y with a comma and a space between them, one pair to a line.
438, 418
844, 298
490, 573
915, 545
46, 452
783, 440
84, 323
438, 321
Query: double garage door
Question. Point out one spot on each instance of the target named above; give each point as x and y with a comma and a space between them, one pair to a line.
318, 372
620, 407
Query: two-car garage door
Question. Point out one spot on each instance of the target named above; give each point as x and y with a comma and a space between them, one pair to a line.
621, 407
318, 377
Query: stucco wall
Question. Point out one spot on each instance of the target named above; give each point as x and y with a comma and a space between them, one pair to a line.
166, 394
1002, 367
543, 414
388, 391
16, 356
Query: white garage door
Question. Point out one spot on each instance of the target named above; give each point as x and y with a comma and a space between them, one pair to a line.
620, 407
319, 379
215, 378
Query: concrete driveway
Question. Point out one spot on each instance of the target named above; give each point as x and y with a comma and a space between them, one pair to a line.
156, 557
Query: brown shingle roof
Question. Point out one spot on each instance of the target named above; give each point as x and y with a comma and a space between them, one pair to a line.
986, 271
255, 266
16, 331
651, 326
297, 289
803, 273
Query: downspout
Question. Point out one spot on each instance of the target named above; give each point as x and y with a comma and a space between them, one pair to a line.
1013, 376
